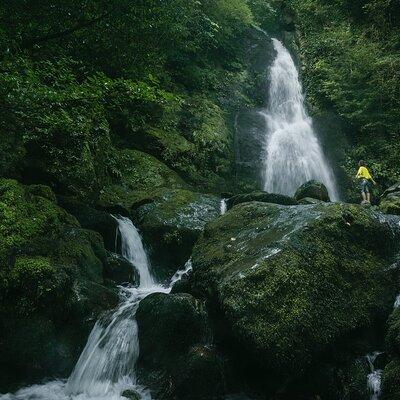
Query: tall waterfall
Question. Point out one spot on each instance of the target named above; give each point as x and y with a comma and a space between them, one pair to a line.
106, 366
292, 153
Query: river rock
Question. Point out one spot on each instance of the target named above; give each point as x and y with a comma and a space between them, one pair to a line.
176, 358
90, 218
120, 270
313, 189
131, 394
390, 200
171, 224
290, 283
260, 196
391, 373
51, 285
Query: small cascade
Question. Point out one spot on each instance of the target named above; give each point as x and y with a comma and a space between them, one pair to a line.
397, 302
374, 377
223, 207
106, 366
292, 153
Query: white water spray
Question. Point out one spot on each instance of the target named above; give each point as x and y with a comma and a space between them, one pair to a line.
223, 207
374, 377
292, 154
106, 366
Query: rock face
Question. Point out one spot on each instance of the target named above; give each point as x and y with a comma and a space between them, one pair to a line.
51, 285
176, 358
390, 201
264, 197
92, 219
313, 189
170, 225
289, 284
391, 373
120, 270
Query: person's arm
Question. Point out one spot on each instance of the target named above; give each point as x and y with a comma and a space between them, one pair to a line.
359, 172
371, 178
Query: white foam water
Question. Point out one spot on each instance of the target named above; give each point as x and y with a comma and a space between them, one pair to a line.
374, 378
106, 366
292, 153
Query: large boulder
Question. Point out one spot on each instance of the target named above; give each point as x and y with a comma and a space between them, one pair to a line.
170, 225
140, 174
51, 285
90, 218
313, 189
176, 358
290, 285
264, 197
390, 200
391, 373
119, 270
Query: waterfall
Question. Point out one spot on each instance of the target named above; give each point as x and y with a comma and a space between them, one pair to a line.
374, 377
223, 207
106, 366
292, 153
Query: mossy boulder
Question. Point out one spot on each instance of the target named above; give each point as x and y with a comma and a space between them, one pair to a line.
292, 284
261, 196
51, 285
171, 223
90, 218
391, 380
176, 359
119, 270
390, 200
391, 373
314, 189
139, 175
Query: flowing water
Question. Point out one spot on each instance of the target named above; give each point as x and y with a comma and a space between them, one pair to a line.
374, 377
223, 207
106, 366
292, 153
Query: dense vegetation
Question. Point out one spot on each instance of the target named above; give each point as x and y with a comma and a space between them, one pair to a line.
80, 79
350, 52
129, 107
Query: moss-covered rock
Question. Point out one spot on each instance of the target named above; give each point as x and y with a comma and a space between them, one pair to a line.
120, 270
391, 380
293, 283
261, 196
170, 225
175, 360
391, 373
390, 200
140, 174
313, 189
90, 218
51, 284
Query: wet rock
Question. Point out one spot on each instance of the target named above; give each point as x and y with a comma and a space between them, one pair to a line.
390, 200
51, 285
287, 284
176, 359
309, 200
120, 270
90, 218
261, 196
171, 224
131, 394
313, 189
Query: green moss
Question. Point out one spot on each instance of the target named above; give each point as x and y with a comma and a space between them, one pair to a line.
391, 381
308, 276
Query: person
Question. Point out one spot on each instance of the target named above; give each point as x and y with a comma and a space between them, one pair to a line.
365, 178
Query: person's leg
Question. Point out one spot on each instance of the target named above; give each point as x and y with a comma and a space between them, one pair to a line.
369, 197
363, 192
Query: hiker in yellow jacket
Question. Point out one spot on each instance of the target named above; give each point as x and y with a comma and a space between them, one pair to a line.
366, 179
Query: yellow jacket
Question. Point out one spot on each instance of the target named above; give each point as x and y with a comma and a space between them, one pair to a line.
363, 173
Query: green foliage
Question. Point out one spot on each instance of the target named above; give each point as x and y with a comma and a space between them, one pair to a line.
351, 63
